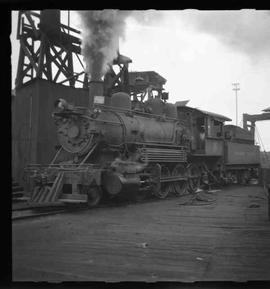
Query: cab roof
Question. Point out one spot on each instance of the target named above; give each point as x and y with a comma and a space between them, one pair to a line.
216, 116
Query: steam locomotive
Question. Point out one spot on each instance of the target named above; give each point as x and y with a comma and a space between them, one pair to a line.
132, 142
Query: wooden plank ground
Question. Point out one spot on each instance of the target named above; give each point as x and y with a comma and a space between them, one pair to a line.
154, 241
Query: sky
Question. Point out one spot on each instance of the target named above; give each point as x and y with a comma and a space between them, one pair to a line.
200, 53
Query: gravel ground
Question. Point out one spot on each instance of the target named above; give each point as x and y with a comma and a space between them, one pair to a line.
170, 240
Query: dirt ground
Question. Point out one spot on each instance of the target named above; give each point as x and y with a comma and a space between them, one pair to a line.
227, 239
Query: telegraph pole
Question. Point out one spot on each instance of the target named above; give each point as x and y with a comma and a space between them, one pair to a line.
236, 88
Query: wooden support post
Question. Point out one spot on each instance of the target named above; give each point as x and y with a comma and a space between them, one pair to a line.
41, 57
269, 202
85, 82
48, 63
70, 68
19, 77
27, 53
32, 23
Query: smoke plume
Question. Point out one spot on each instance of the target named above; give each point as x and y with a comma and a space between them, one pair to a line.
101, 30
245, 31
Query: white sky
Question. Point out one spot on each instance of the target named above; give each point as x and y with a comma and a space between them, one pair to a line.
200, 57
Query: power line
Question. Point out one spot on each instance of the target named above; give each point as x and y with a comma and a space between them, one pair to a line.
236, 88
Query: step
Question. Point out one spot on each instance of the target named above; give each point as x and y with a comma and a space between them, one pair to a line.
17, 194
17, 189
20, 199
72, 201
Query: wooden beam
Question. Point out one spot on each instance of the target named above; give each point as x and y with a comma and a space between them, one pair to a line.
70, 68
19, 77
58, 72
27, 53
56, 75
79, 60
31, 48
85, 81
56, 54
73, 77
41, 57
62, 62
60, 69
70, 28
66, 43
48, 64
19, 25
32, 23
36, 54
28, 32
34, 14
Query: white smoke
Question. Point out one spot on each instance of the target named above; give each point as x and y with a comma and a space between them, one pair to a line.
246, 31
101, 30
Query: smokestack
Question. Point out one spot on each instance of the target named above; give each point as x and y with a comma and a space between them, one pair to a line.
101, 30
96, 85
95, 89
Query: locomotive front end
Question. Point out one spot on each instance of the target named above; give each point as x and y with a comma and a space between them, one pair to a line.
75, 130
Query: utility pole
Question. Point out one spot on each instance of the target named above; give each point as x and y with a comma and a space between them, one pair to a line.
236, 88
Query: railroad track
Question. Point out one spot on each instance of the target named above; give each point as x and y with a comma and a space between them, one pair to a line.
35, 212
25, 213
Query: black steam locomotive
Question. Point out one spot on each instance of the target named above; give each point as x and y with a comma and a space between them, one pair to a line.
131, 141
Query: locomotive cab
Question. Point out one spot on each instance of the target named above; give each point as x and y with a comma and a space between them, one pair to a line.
206, 129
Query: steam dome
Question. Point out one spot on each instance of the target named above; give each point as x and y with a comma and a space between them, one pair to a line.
121, 100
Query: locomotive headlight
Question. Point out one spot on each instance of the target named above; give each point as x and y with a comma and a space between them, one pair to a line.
97, 110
